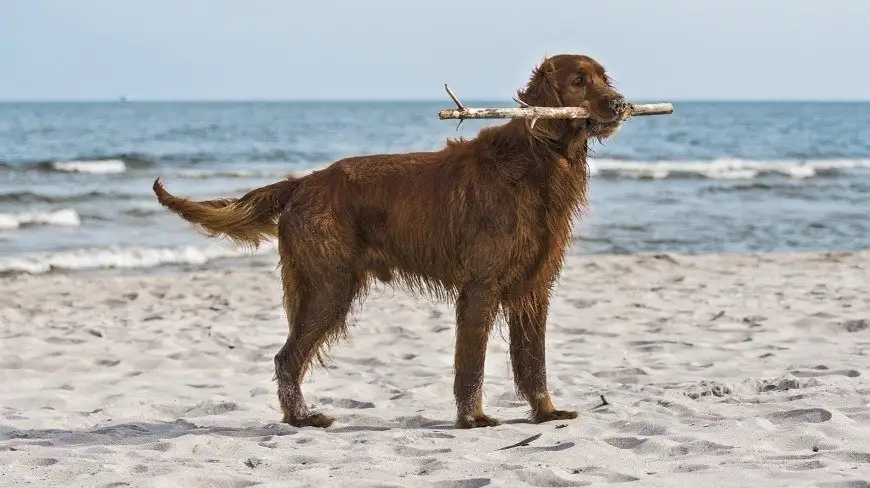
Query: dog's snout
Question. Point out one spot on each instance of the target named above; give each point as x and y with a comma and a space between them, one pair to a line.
618, 104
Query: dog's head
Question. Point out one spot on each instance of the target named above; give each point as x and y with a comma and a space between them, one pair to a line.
571, 80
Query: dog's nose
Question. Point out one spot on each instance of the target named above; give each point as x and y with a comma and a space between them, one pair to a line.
618, 104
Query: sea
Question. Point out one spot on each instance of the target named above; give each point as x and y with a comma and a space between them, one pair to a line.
717, 177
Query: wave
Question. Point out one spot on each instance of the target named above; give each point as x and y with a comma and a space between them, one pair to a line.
715, 169
230, 173
611, 168
283, 172
34, 197
105, 166
122, 258
723, 169
66, 217
257, 155
113, 164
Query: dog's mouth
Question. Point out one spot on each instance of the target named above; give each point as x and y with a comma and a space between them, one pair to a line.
603, 124
601, 130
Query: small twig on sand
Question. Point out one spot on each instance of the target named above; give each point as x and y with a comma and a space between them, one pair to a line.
603, 403
522, 443
718, 315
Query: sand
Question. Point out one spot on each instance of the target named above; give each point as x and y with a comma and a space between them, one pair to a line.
718, 370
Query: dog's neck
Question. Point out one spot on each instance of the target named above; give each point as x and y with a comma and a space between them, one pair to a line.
556, 138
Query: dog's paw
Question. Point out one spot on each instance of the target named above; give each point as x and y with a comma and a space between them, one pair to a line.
313, 420
541, 417
474, 422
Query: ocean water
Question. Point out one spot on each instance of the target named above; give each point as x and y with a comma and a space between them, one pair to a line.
75, 178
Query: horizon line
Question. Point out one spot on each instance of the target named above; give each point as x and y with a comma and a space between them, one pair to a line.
448, 102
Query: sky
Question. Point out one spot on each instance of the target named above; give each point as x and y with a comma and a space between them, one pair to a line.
666, 50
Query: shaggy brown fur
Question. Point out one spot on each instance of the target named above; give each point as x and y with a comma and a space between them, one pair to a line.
483, 221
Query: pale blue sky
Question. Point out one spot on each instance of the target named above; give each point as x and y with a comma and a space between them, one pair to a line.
406, 49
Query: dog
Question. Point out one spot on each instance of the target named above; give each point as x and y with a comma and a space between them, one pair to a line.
483, 222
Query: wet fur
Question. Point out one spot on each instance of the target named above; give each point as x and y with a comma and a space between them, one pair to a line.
484, 222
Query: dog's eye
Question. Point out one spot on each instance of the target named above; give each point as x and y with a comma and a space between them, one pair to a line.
579, 79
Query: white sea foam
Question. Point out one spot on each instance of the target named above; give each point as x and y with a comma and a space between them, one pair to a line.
103, 166
204, 173
722, 169
123, 258
276, 172
715, 169
64, 217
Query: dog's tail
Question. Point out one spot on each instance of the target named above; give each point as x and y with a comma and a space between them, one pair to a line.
247, 220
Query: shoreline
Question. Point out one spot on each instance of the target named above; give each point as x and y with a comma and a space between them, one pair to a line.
265, 257
723, 369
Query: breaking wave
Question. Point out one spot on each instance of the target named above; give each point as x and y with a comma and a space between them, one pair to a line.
716, 169
121, 258
723, 169
105, 166
34, 197
113, 164
66, 217
277, 172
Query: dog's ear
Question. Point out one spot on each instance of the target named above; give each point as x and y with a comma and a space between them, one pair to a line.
542, 90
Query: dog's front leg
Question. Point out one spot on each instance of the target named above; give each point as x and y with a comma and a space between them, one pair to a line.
476, 308
527, 320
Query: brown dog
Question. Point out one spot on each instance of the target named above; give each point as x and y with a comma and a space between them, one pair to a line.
483, 221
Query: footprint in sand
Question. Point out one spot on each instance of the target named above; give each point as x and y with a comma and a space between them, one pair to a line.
161, 446
785, 384
206, 386
466, 483
808, 415
850, 456
416, 452
849, 373
608, 475
845, 484
641, 427
697, 447
807, 465
44, 461
624, 442
346, 403
211, 408
546, 477
622, 375
855, 325
582, 303
690, 468
708, 389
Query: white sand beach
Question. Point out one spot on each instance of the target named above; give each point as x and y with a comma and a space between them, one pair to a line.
718, 370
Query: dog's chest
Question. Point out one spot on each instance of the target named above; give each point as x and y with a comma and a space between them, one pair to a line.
565, 190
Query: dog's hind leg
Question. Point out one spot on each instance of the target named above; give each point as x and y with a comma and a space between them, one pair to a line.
317, 310
476, 308
527, 321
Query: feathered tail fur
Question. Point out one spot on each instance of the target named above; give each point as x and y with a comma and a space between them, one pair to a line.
247, 220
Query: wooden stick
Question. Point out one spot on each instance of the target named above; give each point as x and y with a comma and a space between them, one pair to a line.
526, 111
545, 112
